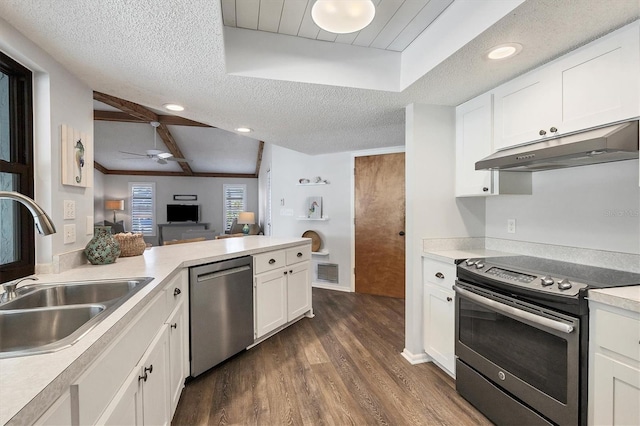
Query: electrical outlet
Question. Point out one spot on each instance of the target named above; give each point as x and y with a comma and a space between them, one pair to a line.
511, 226
69, 209
70, 233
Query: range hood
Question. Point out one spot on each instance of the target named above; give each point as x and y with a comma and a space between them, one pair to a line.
600, 145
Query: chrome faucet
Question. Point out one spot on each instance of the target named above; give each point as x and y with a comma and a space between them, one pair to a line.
43, 222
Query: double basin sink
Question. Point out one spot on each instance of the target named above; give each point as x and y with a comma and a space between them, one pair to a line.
48, 317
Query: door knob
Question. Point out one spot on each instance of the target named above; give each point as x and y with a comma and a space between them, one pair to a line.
401, 233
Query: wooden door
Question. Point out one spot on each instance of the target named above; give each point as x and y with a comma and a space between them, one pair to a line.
379, 227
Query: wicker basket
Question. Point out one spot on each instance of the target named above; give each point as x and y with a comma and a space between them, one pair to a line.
130, 244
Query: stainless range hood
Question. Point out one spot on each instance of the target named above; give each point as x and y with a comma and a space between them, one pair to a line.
612, 143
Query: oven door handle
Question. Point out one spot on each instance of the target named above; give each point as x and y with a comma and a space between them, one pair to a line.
515, 312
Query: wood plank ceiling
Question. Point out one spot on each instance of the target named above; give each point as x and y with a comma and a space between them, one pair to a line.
396, 25
131, 112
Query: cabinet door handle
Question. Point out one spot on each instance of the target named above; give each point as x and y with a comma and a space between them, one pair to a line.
542, 132
174, 325
449, 299
144, 378
176, 291
291, 271
285, 272
440, 275
485, 189
401, 233
553, 130
150, 369
299, 254
272, 261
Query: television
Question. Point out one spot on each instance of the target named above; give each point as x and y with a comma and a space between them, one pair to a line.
183, 213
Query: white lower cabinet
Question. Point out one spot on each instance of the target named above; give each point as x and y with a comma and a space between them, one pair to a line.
614, 366
439, 313
282, 287
178, 352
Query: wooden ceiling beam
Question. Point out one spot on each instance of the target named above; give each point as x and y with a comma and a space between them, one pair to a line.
131, 108
174, 174
173, 148
123, 117
259, 159
100, 168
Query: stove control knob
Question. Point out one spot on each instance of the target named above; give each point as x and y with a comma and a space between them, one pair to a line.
479, 264
565, 284
546, 281
471, 262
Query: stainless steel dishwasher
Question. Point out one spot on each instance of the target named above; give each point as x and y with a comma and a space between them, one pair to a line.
221, 311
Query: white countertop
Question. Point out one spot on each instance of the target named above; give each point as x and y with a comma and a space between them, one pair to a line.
622, 297
29, 384
451, 256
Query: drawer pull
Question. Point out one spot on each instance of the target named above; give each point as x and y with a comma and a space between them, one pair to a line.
174, 325
176, 291
449, 299
285, 272
291, 271
272, 261
440, 275
299, 254
542, 132
143, 377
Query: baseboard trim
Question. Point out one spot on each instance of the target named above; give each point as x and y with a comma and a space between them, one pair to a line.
330, 287
415, 358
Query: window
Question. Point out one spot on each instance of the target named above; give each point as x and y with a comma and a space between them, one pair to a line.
235, 201
143, 207
17, 232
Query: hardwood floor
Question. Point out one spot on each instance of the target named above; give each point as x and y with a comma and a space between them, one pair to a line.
342, 367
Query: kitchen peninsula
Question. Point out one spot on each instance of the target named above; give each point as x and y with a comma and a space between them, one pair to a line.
29, 385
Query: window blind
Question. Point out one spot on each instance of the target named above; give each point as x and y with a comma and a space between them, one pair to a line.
143, 208
234, 203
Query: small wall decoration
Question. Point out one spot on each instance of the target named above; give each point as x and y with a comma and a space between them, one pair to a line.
179, 197
314, 208
77, 160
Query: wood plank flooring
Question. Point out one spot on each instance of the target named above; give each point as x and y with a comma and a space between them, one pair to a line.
342, 367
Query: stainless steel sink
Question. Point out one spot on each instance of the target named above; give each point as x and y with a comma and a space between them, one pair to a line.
37, 296
24, 330
49, 317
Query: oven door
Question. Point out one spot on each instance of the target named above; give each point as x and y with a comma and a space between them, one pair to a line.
527, 351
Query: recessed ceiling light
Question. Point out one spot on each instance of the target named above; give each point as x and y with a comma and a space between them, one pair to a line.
504, 51
173, 107
244, 130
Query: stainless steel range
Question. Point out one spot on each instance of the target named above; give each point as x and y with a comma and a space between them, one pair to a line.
522, 337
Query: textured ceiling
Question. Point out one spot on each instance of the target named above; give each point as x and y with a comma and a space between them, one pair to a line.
153, 52
396, 23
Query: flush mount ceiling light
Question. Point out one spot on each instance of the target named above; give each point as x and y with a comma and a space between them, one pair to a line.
244, 130
343, 16
504, 51
173, 107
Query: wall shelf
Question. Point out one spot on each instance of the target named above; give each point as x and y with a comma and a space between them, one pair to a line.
322, 252
312, 184
325, 218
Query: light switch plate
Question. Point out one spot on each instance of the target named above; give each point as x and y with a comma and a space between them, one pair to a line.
511, 226
89, 226
69, 209
70, 233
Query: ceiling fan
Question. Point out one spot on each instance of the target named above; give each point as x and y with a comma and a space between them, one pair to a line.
161, 157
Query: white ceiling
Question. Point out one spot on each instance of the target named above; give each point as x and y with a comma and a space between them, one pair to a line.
396, 24
156, 51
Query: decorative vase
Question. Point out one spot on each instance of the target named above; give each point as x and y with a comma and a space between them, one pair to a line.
103, 248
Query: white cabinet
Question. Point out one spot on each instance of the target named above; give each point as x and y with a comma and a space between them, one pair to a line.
282, 288
474, 142
139, 377
614, 366
439, 313
591, 86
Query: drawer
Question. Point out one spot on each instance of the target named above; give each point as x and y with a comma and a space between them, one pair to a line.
176, 290
618, 333
439, 273
268, 261
298, 254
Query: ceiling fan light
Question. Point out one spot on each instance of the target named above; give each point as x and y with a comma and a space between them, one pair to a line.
244, 130
164, 155
343, 16
173, 107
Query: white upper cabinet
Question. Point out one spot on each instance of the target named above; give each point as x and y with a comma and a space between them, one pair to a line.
591, 86
473, 142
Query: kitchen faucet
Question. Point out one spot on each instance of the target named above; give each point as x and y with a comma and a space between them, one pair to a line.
43, 222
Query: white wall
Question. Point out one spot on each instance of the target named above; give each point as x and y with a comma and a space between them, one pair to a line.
432, 209
208, 190
592, 207
59, 98
289, 198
